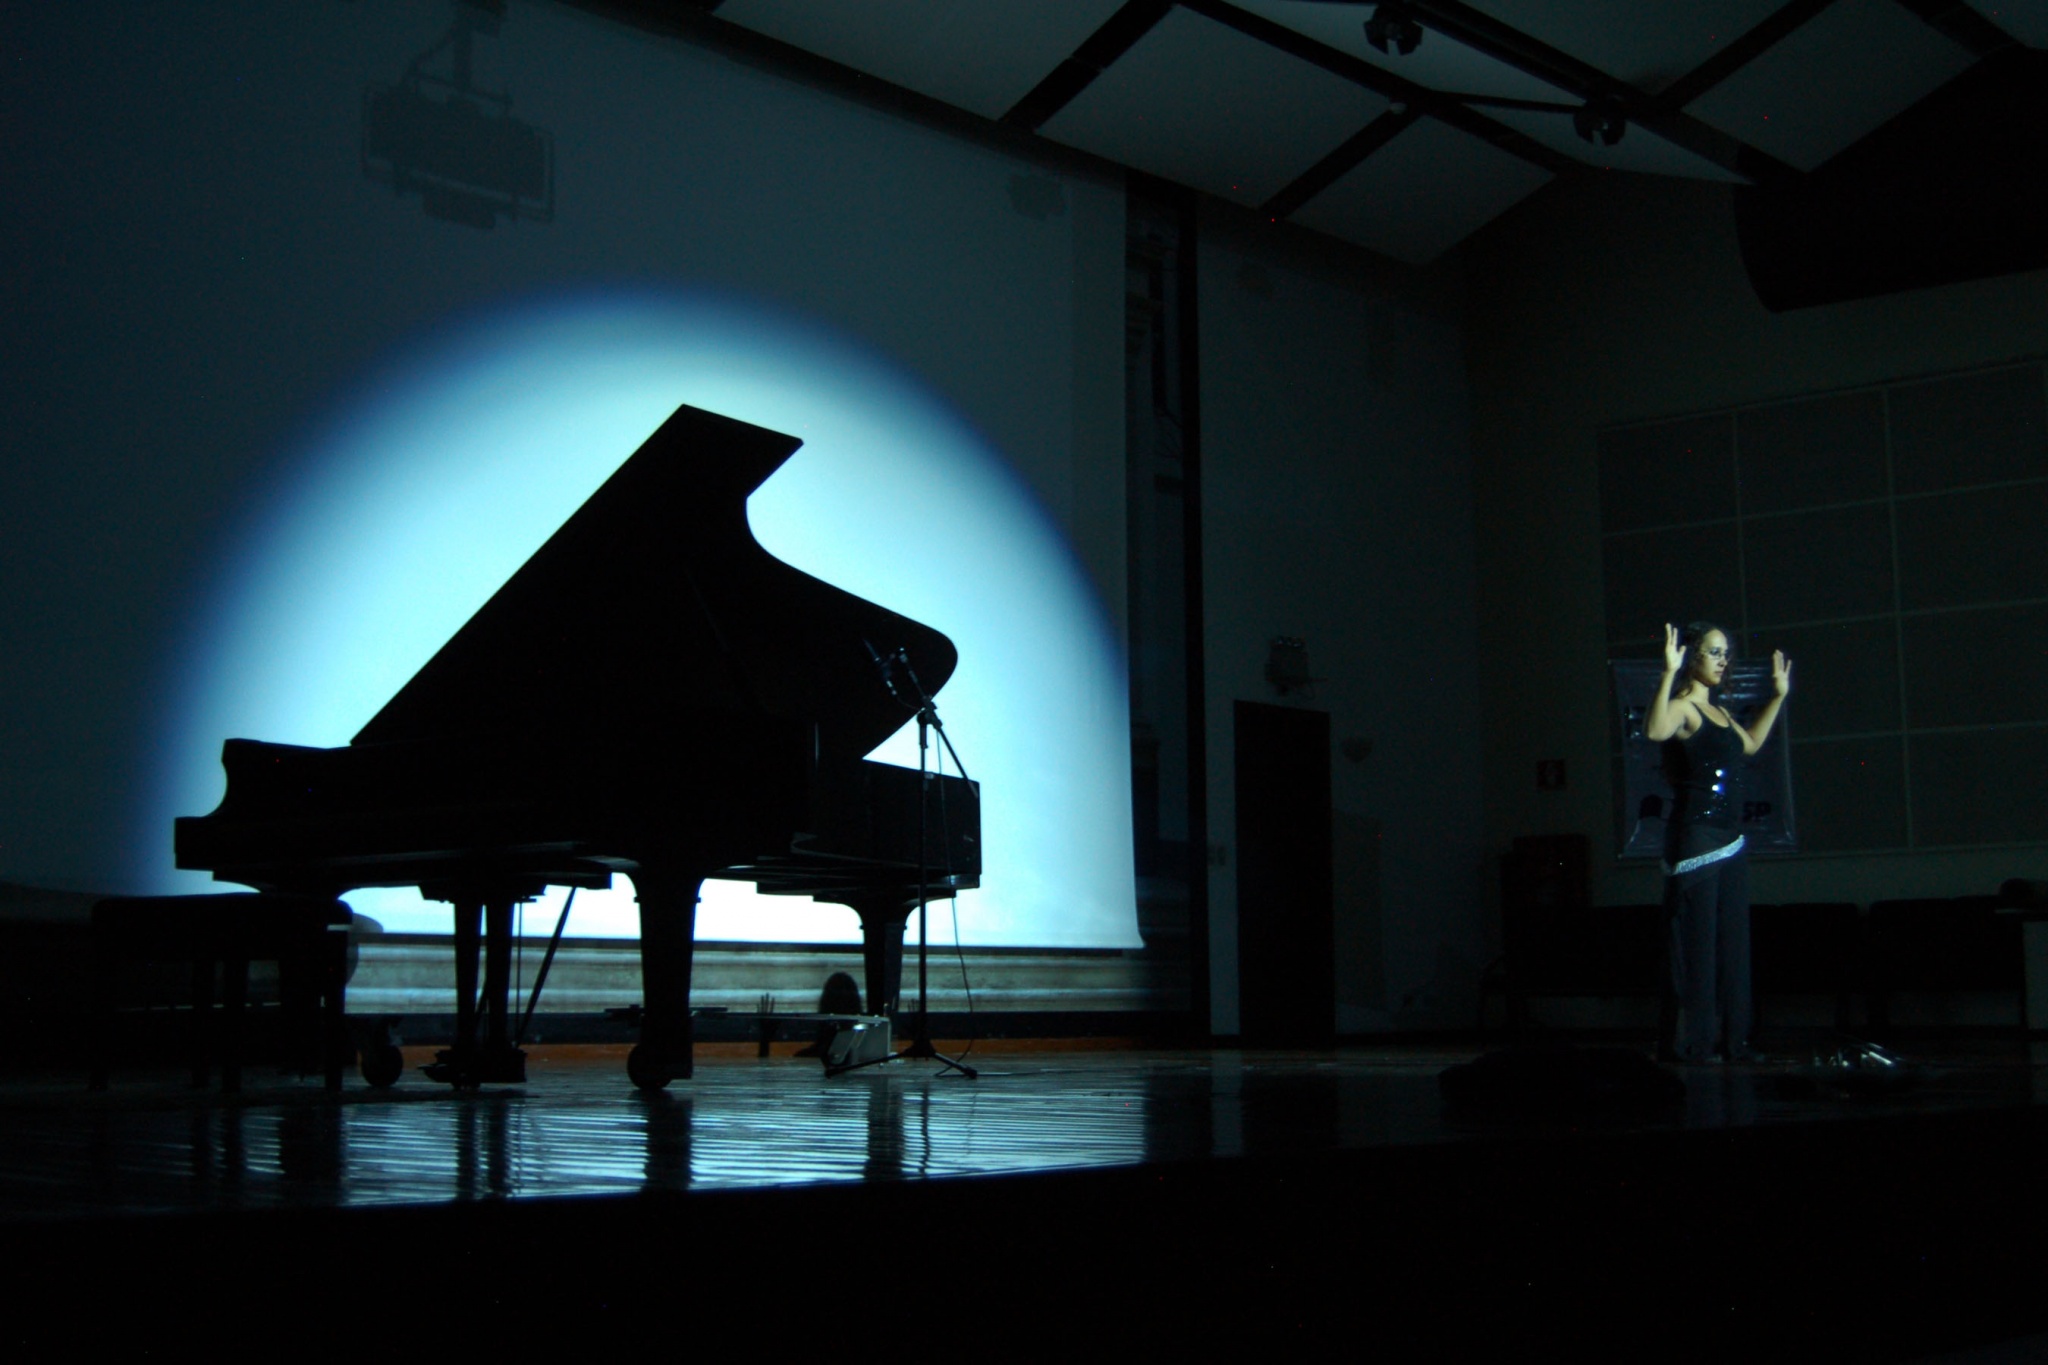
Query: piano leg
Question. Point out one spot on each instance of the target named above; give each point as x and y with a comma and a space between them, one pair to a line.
469, 916
497, 976
332, 973
502, 1062
668, 941
881, 947
475, 1061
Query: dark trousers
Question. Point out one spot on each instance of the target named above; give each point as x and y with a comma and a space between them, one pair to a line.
1708, 910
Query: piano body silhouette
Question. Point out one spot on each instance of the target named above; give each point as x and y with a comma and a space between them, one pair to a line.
652, 693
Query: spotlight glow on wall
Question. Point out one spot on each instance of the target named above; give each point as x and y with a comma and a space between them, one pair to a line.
448, 468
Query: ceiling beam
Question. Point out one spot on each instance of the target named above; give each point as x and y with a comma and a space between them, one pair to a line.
1507, 102
1398, 90
1118, 34
1484, 34
1781, 24
1967, 27
1338, 163
1709, 143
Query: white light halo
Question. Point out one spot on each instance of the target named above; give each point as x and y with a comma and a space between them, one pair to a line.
513, 419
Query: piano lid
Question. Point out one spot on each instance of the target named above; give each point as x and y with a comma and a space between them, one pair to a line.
653, 607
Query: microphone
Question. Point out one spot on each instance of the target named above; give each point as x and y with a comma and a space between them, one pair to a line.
917, 684
885, 665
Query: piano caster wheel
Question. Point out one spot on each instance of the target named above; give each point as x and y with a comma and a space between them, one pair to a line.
645, 1071
383, 1065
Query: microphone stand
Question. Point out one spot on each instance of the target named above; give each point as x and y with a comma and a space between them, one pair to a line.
927, 721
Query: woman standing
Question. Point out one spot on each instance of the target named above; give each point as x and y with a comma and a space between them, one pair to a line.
1706, 875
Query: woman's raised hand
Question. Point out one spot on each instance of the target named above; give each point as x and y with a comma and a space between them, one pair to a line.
1781, 672
1674, 654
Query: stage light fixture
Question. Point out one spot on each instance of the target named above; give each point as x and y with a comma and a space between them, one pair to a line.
1393, 29
1602, 119
454, 144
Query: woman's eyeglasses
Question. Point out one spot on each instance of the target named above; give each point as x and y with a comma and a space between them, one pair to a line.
1717, 655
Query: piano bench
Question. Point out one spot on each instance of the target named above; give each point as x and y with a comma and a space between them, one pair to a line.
307, 936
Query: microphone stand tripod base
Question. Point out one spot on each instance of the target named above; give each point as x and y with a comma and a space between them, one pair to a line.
921, 1047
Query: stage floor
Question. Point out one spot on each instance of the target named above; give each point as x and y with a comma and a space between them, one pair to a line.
1308, 1204
150, 1144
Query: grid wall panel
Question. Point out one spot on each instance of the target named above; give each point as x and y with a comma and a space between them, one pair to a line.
1811, 453
1981, 786
1984, 545
1969, 429
1985, 667
1813, 566
1849, 794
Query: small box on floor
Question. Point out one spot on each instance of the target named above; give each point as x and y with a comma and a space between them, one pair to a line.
861, 1040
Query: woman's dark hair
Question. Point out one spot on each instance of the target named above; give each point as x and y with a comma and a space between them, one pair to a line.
1689, 640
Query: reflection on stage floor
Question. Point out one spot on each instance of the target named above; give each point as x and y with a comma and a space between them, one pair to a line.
150, 1145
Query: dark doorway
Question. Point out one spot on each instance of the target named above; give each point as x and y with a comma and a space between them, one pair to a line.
1286, 958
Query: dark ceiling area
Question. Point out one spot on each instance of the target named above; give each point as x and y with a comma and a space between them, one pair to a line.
1404, 127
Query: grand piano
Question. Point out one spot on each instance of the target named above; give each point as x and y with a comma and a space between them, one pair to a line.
652, 694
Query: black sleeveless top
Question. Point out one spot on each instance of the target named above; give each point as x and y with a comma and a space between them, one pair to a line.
1705, 772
